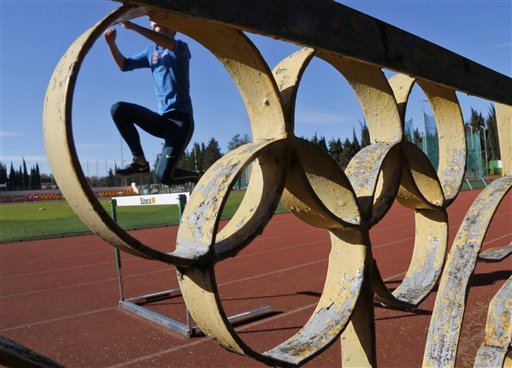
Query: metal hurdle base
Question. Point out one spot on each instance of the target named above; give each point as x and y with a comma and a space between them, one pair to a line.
134, 305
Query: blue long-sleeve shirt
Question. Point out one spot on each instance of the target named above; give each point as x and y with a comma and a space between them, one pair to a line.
170, 73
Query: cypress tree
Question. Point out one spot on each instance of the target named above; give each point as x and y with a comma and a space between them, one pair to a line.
347, 153
314, 139
355, 143
320, 142
38, 177
323, 144
19, 179
335, 149
365, 134
476, 120
3, 174
32, 177
26, 177
211, 153
12, 178
417, 138
111, 179
237, 141
493, 146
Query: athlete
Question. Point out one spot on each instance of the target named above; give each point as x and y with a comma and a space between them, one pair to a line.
168, 59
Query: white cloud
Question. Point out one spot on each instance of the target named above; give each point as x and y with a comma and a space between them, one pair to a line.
6, 134
503, 45
20, 158
93, 146
322, 118
100, 162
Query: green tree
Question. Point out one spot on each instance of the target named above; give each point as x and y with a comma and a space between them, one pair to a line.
417, 138
187, 160
320, 142
32, 177
336, 149
25, 184
476, 120
200, 153
237, 141
493, 146
355, 143
111, 179
37, 180
348, 152
12, 179
211, 154
476, 123
365, 134
19, 178
3, 174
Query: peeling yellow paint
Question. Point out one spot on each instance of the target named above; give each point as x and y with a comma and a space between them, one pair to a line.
347, 203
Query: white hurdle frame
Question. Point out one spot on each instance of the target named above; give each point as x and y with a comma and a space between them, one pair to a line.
135, 304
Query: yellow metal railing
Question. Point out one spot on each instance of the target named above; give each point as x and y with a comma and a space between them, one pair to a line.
284, 167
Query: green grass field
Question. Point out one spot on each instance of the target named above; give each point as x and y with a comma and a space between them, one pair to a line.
34, 220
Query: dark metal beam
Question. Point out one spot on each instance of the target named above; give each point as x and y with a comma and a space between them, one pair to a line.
335, 27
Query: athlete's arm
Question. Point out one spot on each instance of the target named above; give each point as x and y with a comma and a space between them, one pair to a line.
158, 38
110, 38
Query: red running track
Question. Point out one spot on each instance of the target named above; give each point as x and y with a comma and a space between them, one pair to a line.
60, 297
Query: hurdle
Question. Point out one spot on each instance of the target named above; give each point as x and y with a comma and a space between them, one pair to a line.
470, 186
136, 304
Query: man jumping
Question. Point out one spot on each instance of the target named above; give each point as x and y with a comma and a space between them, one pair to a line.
168, 60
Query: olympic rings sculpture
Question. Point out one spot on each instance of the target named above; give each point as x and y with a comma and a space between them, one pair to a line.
311, 185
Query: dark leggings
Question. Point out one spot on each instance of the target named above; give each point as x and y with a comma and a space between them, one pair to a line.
174, 127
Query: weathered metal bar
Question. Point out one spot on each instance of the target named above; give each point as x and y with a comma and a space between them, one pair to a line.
358, 340
498, 330
450, 127
504, 121
62, 155
306, 179
496, 254
133, 305
13, 354
446, 322
157, 318
335, 27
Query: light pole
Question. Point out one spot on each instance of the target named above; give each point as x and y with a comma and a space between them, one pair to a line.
471, 156
485, 148
424, 126
471, 137
121, 145
195, 157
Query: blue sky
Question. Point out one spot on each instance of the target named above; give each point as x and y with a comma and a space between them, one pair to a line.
35, 34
